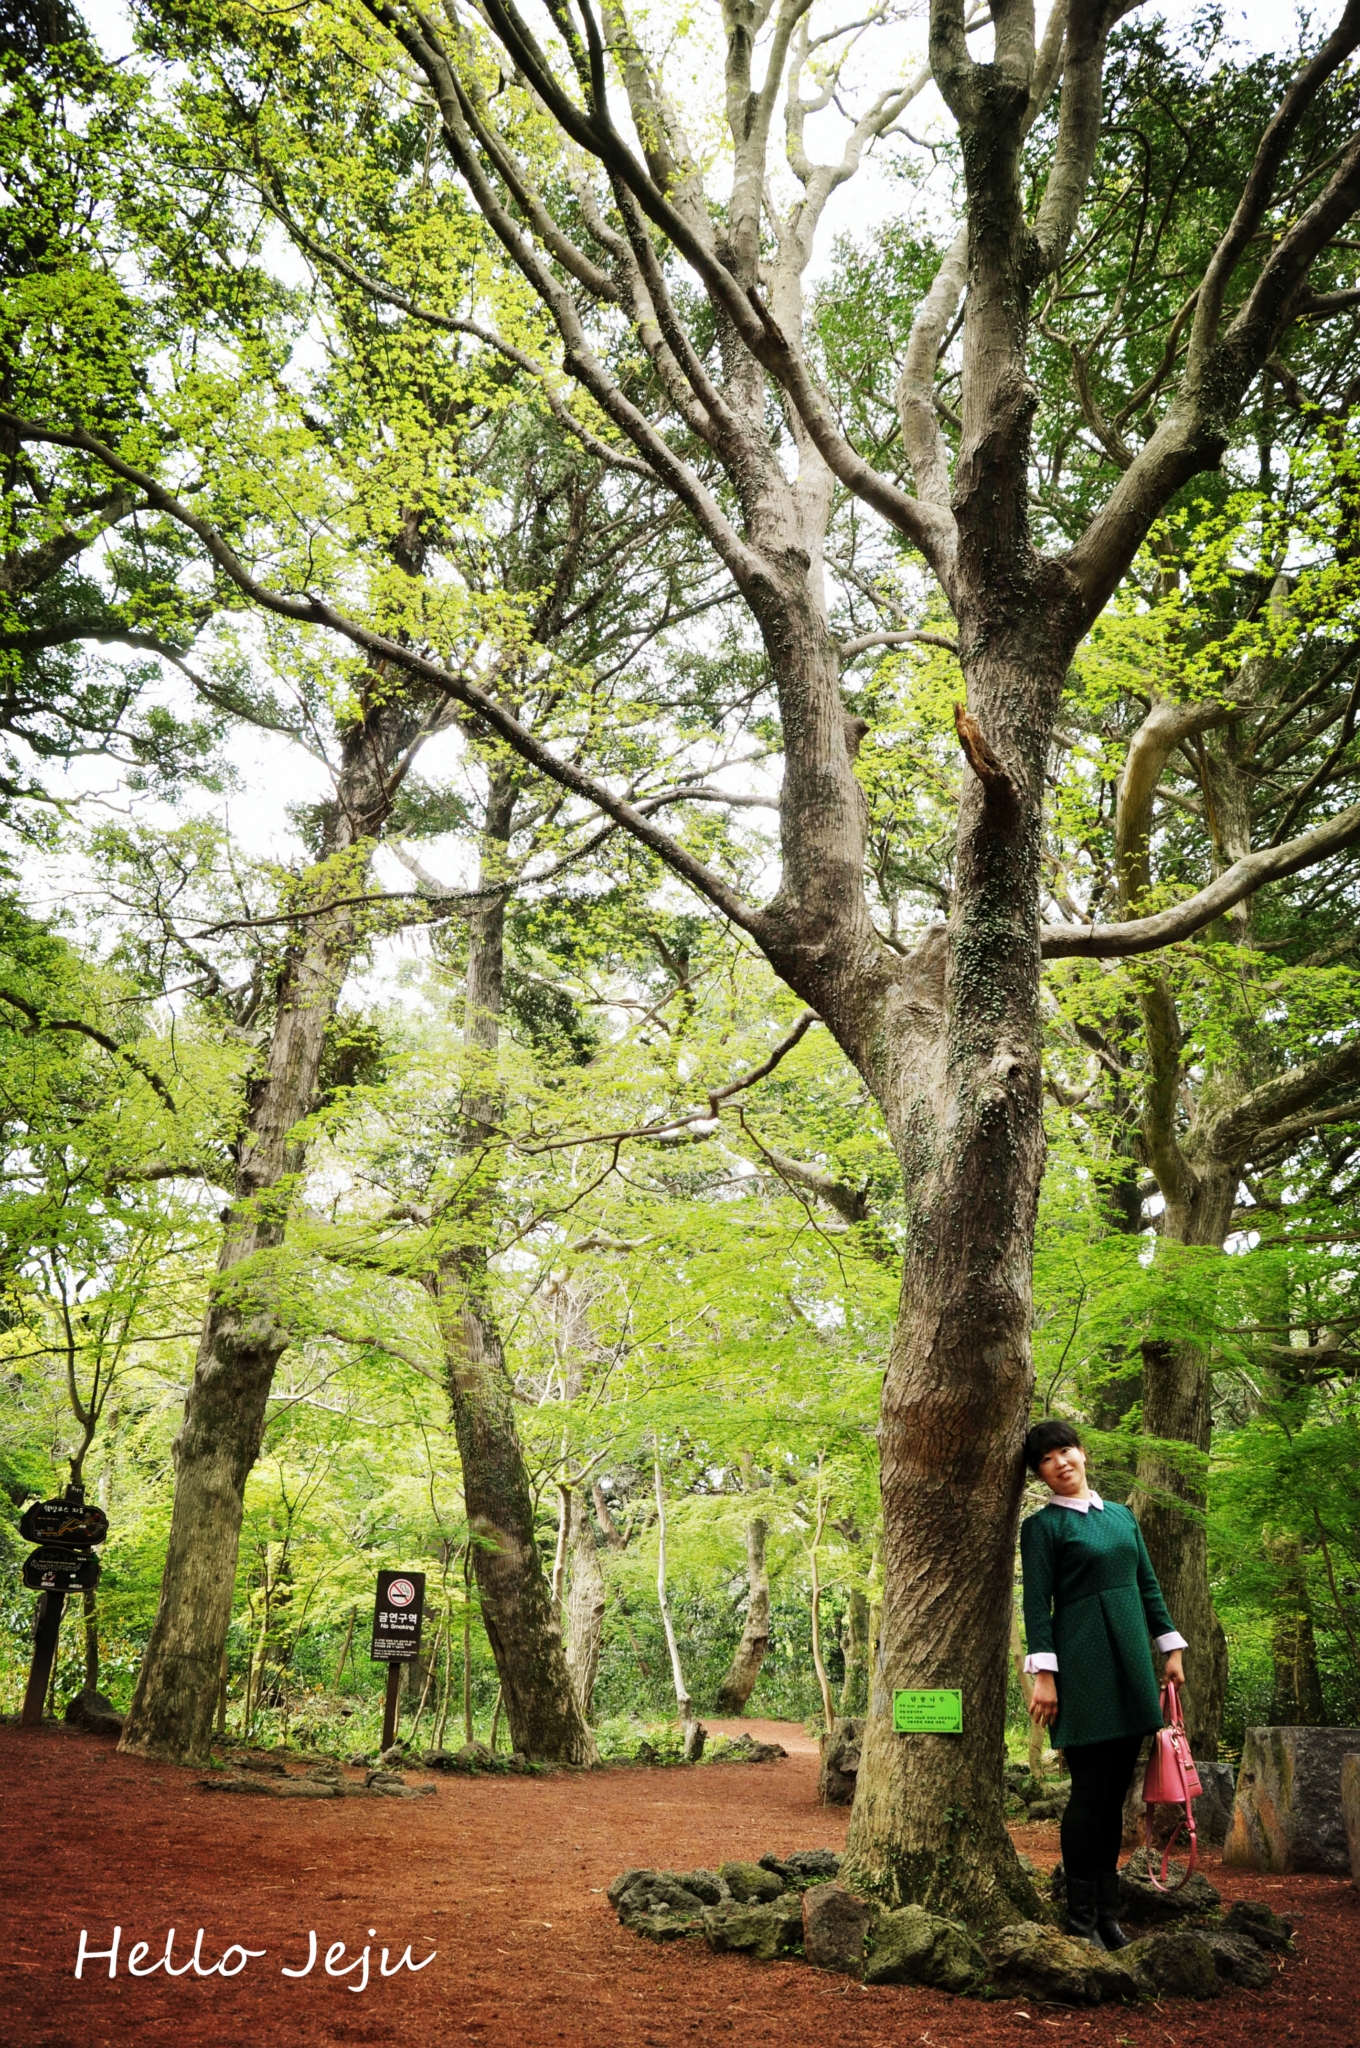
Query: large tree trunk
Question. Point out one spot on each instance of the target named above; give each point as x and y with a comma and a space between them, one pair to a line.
585, 1606
522, 1625
739, 1681
927, 1822
244, 1335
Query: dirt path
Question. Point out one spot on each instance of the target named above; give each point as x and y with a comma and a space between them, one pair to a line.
504, 1880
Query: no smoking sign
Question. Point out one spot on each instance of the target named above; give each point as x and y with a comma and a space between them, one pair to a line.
397, 1615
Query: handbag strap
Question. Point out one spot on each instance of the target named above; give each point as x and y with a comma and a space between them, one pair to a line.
1175, 1726
1187, 1821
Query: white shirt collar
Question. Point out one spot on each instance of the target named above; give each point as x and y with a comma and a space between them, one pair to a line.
1079, 1507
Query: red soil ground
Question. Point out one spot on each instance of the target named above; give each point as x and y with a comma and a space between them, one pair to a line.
505, 1880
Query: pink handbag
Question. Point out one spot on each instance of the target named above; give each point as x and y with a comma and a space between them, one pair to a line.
1171, 1780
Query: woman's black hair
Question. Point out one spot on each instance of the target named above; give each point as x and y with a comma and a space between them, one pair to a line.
1051, 1435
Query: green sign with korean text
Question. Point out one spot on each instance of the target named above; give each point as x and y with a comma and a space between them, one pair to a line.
930, 1712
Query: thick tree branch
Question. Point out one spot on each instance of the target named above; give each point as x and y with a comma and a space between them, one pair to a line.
1218, 372
1234, 885
1274, 1113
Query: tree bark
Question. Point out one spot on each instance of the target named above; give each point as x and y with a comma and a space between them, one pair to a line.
1296, 1696
684, 1706
585, 1611
521, 1622
90, 1618
1170, 1501
740, 1678
856, 1651
244, 1333
815, 1577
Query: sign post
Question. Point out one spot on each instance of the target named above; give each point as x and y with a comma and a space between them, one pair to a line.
64, 1562
398, 1612
46, 1632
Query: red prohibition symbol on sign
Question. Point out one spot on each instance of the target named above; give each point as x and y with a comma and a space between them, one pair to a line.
400, 1593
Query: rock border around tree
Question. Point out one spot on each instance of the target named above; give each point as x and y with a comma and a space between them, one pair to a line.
795, 1908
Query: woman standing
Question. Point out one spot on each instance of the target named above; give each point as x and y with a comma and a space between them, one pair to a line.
1091, 1602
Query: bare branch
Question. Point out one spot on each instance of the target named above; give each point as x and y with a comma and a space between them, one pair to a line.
75, 1025
767, 1066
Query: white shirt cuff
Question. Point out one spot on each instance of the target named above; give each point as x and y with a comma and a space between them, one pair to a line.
1171, 1642
1042, 1660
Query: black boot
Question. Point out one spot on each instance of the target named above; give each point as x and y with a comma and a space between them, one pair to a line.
1107, 1910
1081, 1910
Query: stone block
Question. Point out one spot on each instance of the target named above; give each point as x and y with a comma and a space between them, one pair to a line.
95, 1714
1236, 1958
1039, 1962
1350, 1811
649, 1892
835, 1924
705, 1885
1266, 1929
750, 1884
1176, 1963
1287, 1813
805, 1866
839, 1771
917, 1947
762, 1932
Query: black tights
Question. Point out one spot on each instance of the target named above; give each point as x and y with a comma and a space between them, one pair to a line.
1092, 1823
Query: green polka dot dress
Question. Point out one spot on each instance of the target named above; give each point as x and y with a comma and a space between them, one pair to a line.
1092, 1600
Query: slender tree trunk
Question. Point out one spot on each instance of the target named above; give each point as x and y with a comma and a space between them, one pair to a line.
1170, 1502
815, 1573
467, 1645
749, 1655
683, 1703
565, 1504
1171, 1496
90, 1604
522, 1624
244, 1335
1296, 1699
856, 1651
344, 1651
585, 1613
446, 1690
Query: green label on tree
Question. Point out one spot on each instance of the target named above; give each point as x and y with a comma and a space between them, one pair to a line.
934, 1712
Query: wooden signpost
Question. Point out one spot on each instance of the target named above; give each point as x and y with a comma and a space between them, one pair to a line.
64, 1562
398, 1611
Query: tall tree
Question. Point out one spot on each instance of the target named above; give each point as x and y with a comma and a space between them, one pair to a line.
946, 1034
